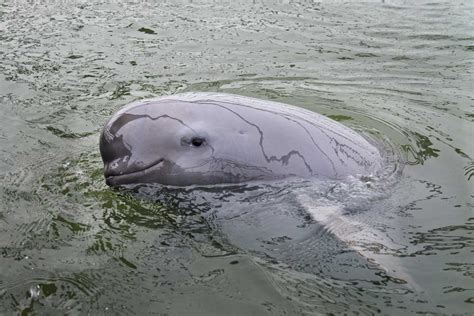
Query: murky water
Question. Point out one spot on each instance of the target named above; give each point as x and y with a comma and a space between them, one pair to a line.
398, 71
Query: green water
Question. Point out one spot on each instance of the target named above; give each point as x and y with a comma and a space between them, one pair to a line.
70, 244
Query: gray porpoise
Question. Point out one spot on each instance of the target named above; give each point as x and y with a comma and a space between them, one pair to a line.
216, 138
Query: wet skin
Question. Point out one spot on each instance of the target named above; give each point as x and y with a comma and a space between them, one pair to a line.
213, 138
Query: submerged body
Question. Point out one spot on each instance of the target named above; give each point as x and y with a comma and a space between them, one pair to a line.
212, 138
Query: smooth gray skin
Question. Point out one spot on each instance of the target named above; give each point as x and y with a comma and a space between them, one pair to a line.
213, 138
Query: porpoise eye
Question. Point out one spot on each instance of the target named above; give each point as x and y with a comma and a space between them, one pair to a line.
197, 141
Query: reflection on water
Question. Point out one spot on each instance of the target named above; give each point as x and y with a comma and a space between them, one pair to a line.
398, 72
421, 151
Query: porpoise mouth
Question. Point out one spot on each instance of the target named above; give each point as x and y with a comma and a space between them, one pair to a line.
113, 178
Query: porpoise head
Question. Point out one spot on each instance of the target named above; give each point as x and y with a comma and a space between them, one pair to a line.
206, 138
178, 143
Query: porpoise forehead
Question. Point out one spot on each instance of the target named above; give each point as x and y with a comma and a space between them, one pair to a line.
203, 115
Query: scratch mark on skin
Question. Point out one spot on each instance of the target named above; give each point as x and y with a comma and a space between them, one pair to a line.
345, 150
288, 117
284, 159
125, 117
240, 166
361, 161
317, 146
226, 169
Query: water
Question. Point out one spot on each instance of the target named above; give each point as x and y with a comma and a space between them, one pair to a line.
398, 71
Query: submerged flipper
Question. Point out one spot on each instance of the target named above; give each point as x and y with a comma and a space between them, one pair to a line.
372, 244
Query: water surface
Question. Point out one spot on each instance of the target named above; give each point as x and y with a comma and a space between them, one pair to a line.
400, 72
